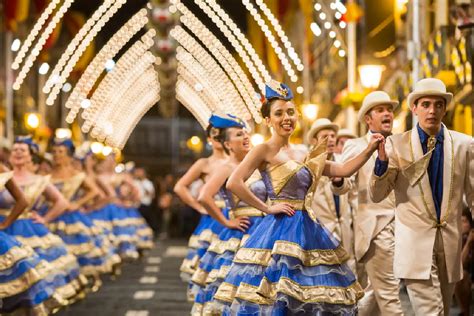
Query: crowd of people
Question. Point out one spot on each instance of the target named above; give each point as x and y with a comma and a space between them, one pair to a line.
65, 222
340, 227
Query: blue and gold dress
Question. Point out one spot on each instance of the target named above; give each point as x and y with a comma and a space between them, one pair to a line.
217, 261
208, 236
291, 265
22, 274
77, 230
65, 276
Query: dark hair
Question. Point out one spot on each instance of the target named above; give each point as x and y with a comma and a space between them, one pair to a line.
211, 130
466, 213
70, 149
31, 149
266, 106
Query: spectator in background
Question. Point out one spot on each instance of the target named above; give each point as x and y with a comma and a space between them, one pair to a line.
165, 203
147, 194
462, 290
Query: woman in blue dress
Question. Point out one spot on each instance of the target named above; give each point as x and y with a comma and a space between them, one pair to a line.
30, 228
22, 272
215, 262
77, 230
200, 170
290, 265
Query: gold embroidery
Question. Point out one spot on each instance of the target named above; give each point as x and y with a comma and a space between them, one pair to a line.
281, 173
311, 294
13, 255
226, 292
246, 211
25, 281
220, 246
307, 257
200, 276
249, 293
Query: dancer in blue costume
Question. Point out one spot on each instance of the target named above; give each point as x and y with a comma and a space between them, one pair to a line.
200, 170
77, 230
22, 272
130, 200
290, 265
236, 142
30, 228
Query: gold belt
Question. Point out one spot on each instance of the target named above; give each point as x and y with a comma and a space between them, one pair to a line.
246, 211
25, 214
298, 205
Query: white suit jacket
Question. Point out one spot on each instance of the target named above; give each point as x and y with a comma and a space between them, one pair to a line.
370, 218
415, 217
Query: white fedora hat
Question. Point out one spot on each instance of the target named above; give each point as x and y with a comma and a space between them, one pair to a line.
319, 124
429, 87
372, 100
345, 132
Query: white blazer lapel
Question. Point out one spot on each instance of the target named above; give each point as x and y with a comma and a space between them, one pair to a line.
448, 172
424, 184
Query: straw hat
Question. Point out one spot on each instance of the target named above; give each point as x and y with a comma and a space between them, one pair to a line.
429, 87
319, 124
372, 100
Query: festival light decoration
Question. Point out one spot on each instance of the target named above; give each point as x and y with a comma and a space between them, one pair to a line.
77, 53
34, 53
76, 41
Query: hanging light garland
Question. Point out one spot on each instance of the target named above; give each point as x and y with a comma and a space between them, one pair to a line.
96, 66
76, 41
34, 32
271, 38
281, 34
228, 62
80, 50
223, 83
34, 53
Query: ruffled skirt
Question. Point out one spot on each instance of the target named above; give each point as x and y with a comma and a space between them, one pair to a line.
190, 262
22, 274
290, 265
85, 241
144, 232
65, 275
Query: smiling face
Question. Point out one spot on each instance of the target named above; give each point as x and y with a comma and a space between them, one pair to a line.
20, 155
283, 117
380, 119
430, 111
60, 155
328, 133
237, 140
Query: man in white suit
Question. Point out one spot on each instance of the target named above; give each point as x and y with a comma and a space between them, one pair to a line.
332, 210
374, 223
431, 170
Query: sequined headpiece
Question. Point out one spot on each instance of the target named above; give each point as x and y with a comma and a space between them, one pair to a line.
27, 139
277, 90
226, 121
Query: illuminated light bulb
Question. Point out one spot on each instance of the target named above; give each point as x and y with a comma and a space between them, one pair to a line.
109, 64
332, 34
317, 7
32, 120
310, 111
85, 103
342, 53
299, 90
300, 67
342, 24
340, 7
327, 25
106, 150
332, 6
337, 43
63, 133
316, 29
67, 87
43, 69
322, 16
15, 45
338, 15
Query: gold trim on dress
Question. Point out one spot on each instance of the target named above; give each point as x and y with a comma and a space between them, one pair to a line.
25, 281
220, 246
15, 254
199, 277
248, 211
311, 294
309, 258
71, 185
249, 293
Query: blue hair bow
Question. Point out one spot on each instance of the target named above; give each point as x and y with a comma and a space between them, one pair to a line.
67, 142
